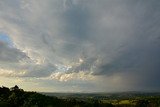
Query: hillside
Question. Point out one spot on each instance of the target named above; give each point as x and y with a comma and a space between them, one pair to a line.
16, 97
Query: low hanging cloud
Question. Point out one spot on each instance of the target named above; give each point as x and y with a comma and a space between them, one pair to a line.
66, 39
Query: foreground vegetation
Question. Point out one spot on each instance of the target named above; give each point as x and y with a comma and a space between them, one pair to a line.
16, 97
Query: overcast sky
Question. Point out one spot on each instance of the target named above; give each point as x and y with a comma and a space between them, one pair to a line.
80, 45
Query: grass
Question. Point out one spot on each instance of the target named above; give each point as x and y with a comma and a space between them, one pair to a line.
121, 102
124, 102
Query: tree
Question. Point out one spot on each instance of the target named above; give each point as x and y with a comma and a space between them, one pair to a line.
15, 88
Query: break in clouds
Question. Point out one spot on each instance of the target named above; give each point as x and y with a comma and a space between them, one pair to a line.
96, 43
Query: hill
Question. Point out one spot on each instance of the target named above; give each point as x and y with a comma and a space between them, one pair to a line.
16, 97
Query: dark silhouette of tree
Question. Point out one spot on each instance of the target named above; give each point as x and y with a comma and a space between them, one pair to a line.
14, 88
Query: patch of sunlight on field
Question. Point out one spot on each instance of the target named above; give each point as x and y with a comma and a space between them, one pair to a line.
125, 102
121, 102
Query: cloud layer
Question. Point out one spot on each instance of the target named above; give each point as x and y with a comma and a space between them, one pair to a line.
93, 40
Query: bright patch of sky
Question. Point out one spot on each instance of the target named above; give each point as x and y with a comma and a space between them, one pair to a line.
5, 38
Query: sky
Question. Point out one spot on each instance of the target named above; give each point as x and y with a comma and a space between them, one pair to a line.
80, 45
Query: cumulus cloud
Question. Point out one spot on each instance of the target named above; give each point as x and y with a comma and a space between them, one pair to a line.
70, 39
71, 76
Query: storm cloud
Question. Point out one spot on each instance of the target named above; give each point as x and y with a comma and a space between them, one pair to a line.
83, 40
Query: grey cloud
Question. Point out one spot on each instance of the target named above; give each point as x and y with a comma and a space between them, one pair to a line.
87, 65
10, 54
110, 36
15, 63
76, 19
40, 70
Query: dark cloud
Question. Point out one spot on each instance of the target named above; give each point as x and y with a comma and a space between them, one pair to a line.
76, 19
40, 71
